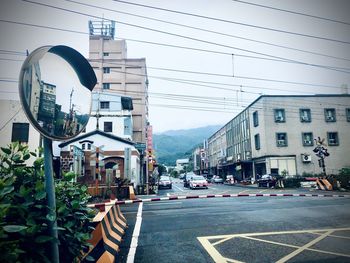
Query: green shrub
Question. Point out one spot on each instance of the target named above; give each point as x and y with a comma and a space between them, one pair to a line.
292, 182
344, 177
24, 214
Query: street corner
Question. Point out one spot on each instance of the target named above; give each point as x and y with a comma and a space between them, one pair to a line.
326, 245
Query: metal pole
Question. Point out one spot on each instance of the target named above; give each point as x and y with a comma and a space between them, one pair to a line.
51, 198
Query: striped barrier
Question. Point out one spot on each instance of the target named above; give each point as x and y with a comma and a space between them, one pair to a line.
107, 236
175, 197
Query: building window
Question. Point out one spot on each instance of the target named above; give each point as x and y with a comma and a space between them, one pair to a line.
280, 115
20, 132
281, 139
106, 70
105, 54
83, 146
329, 115
305, 115
107, 126
106, 85
104, 104
89, 146
333, 139
255, 119
347, 113
257, 141
307, 138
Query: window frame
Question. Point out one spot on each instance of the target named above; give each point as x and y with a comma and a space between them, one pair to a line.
20, 133
278, 140
105, 126
106, 70
327, 117
106, 54
106, 86
303, 139
276, 115
328, 139
308, 113
347, 114
104, 103
257, 141
255, 119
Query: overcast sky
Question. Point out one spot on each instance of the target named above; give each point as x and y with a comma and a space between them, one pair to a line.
231, 52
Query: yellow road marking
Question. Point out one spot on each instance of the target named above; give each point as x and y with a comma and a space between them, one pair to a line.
301, 249
323, 233
216, 256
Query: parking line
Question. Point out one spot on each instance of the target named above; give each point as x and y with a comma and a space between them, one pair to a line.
301, 249
178, 188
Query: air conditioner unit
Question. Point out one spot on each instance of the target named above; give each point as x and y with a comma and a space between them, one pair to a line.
307, 142
304, 118
279, 118
281, 142
306, 158
332, 141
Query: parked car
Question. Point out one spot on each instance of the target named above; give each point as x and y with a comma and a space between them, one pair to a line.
267, 180
164, 182
198, 181
230, 179
182, 176
217, 179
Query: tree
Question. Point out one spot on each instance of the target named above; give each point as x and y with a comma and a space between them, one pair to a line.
161, 169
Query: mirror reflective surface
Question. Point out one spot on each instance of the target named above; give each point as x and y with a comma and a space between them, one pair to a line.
54, 99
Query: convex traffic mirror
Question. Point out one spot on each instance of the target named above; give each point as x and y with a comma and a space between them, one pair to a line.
55, 87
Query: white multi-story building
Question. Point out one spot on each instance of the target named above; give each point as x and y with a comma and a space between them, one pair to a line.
118, 74
181, 164
111, 113
275, 135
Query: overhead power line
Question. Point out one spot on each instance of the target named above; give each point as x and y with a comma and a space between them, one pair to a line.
181, 36
293, 12
234, 22
280, 59
206, 30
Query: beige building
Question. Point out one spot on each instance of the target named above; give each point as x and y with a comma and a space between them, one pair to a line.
117, 73
16, 127
275, 135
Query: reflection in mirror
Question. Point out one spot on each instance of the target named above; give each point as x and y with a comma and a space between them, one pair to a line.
57, 104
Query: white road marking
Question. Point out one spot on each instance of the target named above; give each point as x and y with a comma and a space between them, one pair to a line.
243, 192
178, 188
135, 235
165, 203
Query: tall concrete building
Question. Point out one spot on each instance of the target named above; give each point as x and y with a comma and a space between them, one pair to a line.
276, 134
119, 74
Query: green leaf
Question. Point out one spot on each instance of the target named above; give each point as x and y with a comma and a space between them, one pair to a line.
75, 204
6, 190
14, 228
61, 209
26, 156
43, 239
84, 188
6, 150
16, 158
33, 154
40, 195
51, 217
89, 258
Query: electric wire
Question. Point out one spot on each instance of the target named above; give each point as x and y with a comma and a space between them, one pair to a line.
235, 22
206, 30
293, 12
180, 36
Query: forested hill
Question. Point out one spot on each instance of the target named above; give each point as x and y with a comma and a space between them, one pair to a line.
178, 144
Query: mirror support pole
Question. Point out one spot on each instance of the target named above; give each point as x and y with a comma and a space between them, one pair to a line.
51, 198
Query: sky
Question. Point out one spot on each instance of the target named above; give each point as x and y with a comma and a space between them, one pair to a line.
227, 52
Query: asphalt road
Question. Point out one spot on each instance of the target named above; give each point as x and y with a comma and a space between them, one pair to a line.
244, 229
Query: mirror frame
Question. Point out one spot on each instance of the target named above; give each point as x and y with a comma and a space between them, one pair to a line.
79, 64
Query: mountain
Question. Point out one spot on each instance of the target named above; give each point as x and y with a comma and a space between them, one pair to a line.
177, 144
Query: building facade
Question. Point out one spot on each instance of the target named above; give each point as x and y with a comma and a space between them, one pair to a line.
119, 74
276, 135
16, 127
111, 113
